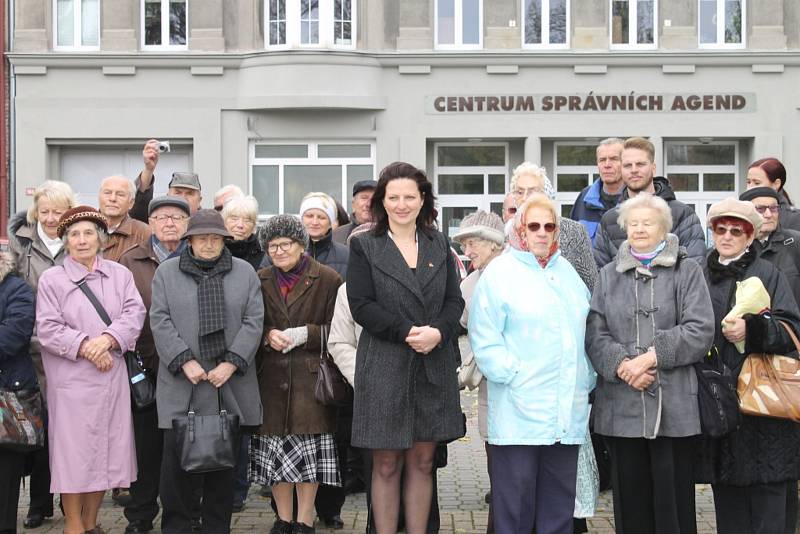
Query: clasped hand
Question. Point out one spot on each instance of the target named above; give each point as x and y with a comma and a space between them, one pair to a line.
639, 372
423, 339
217, 376
96, 350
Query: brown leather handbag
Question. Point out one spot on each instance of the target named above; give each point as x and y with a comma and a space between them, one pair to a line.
21, 419
769, 384
331, 388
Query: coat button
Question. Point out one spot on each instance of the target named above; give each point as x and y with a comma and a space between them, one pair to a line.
284, 386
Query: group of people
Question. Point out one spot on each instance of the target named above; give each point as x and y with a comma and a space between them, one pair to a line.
589, 322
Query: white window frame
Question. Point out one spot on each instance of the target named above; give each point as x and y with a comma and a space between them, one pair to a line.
721, 44
77, 35
458, 35
633, 29
312, 159
327, 39
545, 44
164, 28
569, 197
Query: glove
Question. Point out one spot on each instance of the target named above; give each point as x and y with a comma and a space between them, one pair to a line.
298, 335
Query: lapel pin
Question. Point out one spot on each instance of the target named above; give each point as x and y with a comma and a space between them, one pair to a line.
430, 264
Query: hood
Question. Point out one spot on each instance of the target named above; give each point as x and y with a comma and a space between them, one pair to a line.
593, 194
666, 258
6, 265
662, 189
17, 221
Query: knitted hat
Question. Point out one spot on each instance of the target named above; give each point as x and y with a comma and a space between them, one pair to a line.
319, 201
206, 222
757, 192
284, 225
168, 200
81, 213
482, 224
730, 207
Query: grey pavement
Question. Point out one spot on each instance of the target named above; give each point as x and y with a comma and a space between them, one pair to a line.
462, 485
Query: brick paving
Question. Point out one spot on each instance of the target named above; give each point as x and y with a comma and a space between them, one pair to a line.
462, 485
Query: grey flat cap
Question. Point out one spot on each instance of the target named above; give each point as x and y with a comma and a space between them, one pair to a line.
189, 180
168, 200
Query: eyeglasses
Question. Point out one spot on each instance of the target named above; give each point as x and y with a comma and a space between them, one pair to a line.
218, 208
525, 191
772, 209
734, 231
512, 210
285, 246
174, 218
548, 227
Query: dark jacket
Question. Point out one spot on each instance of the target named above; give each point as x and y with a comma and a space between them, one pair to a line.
589, 209
330, 253
141, 202
287, 380
398, 392
685, 224
782, 249
248, 250
17, 317
142, 262
790, 216
341, 234
762, 450
130, 232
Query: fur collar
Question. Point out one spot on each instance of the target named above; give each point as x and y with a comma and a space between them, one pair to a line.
6, 265
666, 258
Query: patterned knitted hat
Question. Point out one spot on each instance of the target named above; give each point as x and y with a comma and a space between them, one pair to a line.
482, 224
284, 225
81, 213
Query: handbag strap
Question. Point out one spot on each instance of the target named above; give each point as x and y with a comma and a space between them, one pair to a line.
777, 383
220, 404
93, 299
791, 335
323, 342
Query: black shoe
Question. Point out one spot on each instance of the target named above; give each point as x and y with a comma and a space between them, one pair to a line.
301, 528
197, 524
335, 522
238, 507
139, 526
121, 496
281, 527
488, 497
34, 520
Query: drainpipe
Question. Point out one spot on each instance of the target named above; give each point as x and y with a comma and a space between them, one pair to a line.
12, 119
4, 186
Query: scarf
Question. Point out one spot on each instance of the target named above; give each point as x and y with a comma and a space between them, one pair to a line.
544, 261
288, 279
248, 250
735, 269
646, 257
53, 245
209, 276
162, 252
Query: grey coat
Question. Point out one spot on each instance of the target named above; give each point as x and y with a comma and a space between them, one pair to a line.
401, 396
667, 307
174, 322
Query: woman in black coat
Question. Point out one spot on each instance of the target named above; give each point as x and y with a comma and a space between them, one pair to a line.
752, 469
16, 373
403, 290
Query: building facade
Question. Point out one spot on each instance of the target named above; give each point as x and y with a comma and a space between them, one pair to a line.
283, 97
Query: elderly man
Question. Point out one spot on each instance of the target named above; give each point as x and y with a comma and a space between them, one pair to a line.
225, 193
182, 184
168, 217
115, 199
509, 207
596, 199
361, 205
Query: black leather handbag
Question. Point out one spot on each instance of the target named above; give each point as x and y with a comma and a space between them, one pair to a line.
207, 443
332, 388
141, 381
716, 396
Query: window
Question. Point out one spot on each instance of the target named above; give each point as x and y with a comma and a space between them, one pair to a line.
702, 173
310, 23
721, 23
545, 23
633, 23
575, 168
164, 24
459, 24
281, 174
77, 24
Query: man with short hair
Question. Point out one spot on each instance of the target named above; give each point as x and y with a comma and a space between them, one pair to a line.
224, 193
638, 170
596, 199
362, 209
115, 199
169, 217
509, 207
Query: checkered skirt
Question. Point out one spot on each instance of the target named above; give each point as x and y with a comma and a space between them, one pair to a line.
294, 458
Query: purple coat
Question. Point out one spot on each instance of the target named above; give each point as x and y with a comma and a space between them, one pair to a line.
90, 423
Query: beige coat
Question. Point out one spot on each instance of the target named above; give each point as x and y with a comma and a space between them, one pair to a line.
467, 288
343, 338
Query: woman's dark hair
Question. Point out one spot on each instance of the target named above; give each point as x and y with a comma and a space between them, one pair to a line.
342, 217
426, 219
774, 170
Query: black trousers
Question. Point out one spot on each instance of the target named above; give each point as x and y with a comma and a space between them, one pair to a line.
178, 495
330, 499
12, 466
756, 509
39, 482
653, 485
149, 446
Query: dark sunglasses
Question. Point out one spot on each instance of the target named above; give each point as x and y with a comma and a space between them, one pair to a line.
511, 210
548, 227
735, 231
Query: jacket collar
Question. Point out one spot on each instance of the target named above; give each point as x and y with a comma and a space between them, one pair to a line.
77, 272
592, 197
125, 227
528, 258
315, 248
142, 251
662, 189
667, 258
778, 236
30, 236
270, 284
430, 259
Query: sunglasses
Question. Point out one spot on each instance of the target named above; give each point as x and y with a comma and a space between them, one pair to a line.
548, 227
218, 208
512, 210
735, 231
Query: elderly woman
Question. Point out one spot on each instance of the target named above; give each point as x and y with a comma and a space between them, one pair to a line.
753, 468
770, 172
88, 402
16, 374
318, 212
34, 246
206, 315
295, 448
240, 214
650, 321
526, 328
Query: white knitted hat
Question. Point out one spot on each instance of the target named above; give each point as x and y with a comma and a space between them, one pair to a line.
319, 201
482, 224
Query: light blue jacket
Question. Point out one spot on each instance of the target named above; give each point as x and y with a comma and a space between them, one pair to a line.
526, 328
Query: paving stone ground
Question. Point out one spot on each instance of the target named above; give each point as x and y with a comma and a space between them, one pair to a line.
462, 485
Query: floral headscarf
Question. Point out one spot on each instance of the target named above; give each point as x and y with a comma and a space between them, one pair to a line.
515, 230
